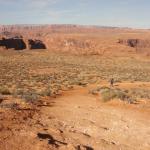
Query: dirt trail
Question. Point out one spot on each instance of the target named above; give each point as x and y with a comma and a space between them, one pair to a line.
80, 121
85, 120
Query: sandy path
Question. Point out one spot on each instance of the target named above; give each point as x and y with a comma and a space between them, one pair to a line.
77, 121
83, 120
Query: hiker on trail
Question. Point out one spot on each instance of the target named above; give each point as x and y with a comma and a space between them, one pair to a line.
111, 82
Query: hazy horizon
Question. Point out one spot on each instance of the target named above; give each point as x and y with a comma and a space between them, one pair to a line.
110, 13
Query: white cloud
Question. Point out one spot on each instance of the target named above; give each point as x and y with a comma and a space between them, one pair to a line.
30, 3
40, 3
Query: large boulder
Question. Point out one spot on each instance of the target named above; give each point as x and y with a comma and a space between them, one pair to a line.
13, 43
36, 44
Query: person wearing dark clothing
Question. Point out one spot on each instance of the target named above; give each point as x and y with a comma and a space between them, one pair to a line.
111, 82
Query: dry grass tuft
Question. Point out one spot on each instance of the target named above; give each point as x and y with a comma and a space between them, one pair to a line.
4, 91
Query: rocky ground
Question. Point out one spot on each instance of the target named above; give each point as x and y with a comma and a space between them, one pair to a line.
77, 120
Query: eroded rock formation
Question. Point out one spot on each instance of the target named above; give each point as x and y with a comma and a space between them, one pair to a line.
13, 43
140, 45
18, 43
36, 44
130, 42
135, 42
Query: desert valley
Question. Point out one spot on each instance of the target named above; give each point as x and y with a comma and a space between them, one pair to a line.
56, 91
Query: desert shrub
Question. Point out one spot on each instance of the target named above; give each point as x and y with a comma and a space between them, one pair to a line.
46, 92
30, 96
26, 95
140, 93
4, 91
120, 94
108, 94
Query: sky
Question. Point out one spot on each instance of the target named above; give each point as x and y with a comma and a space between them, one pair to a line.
118, 13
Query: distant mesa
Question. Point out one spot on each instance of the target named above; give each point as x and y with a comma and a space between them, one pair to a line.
36, 44
13, 43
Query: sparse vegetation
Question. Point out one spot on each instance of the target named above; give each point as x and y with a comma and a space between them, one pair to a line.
140, 93
46, 92
31, 71
30, 97
108, 94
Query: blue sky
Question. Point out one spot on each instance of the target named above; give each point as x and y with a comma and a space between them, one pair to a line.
124, 13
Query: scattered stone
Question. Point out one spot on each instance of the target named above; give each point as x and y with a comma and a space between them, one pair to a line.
84, 147
50, 139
